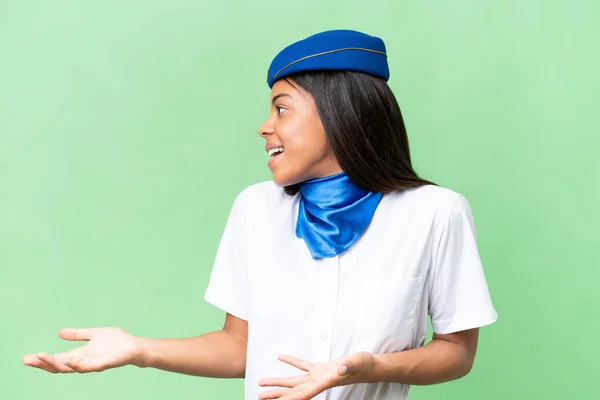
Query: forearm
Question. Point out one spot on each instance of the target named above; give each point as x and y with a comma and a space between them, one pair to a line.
219, 354
436, 362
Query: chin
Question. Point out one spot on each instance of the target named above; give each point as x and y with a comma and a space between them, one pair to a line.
284, 183
286, 180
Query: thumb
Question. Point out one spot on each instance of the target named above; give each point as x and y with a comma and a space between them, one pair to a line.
346, 366
343, 369
352, 364
76, 334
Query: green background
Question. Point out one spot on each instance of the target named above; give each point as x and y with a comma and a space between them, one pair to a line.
127, 128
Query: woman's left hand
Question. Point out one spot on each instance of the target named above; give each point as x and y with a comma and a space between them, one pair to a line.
319, 376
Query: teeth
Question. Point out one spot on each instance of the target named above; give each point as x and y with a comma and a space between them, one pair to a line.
275, 150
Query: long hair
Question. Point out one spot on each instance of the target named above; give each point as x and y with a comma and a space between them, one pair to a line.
364, 127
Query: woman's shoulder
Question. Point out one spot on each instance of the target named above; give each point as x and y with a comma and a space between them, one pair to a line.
429, 194
263, 196
432, 200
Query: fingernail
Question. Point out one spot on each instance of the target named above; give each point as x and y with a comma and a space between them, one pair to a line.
344, 369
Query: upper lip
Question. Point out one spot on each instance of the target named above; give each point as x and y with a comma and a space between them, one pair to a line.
270, 146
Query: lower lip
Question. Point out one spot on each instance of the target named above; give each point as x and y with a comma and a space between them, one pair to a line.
273, 160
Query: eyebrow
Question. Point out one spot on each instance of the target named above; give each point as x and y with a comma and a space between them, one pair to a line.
278, 97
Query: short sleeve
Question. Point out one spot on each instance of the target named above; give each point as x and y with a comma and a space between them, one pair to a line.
227, 284
459, 298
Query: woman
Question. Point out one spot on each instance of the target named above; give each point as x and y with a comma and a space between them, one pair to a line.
328, 273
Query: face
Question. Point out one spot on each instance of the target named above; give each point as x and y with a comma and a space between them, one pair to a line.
295, 137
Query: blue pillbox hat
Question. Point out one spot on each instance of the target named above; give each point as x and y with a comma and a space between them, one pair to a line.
332, 50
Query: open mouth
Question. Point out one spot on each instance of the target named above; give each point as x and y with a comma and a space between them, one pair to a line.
275, 152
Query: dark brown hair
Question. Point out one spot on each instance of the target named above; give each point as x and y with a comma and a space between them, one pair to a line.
364, 127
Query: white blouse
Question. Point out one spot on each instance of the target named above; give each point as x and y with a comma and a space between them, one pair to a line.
418, 257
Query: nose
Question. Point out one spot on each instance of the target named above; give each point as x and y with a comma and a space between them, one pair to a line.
266, 128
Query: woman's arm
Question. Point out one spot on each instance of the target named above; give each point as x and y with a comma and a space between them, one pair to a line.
220, 354
445, 358
217, 354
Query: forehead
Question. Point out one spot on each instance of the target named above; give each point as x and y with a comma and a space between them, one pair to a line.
294, 92
282, 86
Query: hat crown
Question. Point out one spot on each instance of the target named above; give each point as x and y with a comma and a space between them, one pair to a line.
341, 49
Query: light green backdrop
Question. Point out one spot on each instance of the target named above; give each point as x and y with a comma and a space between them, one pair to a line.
127, 128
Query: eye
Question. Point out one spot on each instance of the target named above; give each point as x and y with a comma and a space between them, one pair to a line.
280, 110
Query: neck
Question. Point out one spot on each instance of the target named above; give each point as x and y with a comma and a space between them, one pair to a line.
331, 190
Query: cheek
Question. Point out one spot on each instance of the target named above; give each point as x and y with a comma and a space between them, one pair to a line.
304, 152
318, 137
306, 149
305, 139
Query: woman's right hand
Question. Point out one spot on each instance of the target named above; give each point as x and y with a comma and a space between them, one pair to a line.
105, 348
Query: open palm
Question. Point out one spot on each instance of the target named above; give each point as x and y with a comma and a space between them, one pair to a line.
318, 378
105, 348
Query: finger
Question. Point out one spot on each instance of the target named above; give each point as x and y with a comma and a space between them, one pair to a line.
272, 394
296, 362
76, 352
85, 364
33, 361
29, 358
354, 364
288, 382
76, 334
77, 365
296, 396
54, 363
45, 366
343, 370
